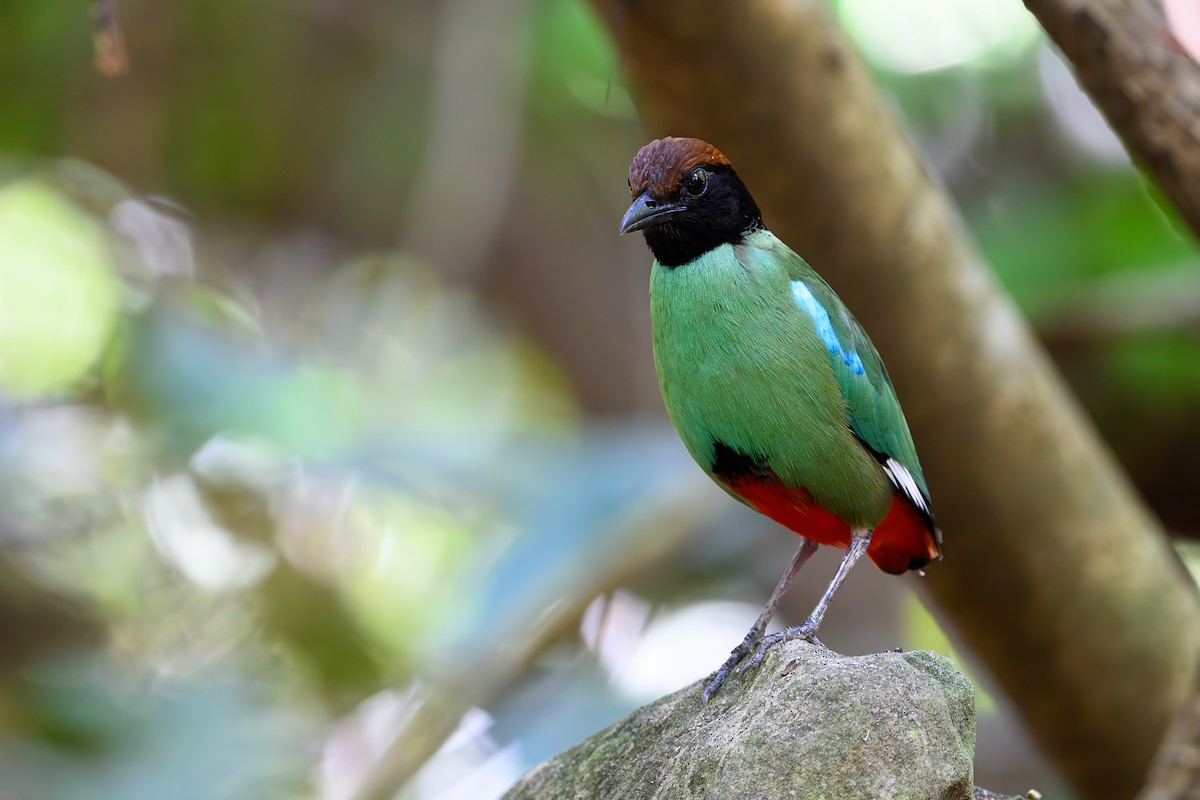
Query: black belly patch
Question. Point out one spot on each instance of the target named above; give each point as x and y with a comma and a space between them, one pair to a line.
729, 465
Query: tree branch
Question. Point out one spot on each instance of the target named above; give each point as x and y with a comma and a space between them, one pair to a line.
1147, 89
1048, 551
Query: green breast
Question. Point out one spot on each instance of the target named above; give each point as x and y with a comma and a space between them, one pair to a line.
739, 363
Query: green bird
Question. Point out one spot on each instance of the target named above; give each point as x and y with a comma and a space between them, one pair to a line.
774, 387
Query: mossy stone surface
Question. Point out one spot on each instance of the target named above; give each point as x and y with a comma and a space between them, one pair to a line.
809, 724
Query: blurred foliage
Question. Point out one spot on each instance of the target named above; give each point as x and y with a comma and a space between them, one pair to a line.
301, 460
59, 298
91, 734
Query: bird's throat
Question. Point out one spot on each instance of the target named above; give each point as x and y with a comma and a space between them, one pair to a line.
681, 242
676, 245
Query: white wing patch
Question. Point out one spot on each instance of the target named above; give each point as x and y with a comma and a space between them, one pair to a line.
902, 479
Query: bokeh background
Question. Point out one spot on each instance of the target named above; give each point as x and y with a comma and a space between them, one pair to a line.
331, 451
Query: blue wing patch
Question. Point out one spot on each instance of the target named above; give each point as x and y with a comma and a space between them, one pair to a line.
820, 317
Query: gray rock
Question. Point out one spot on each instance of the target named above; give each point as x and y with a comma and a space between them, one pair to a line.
984, 794
808, 724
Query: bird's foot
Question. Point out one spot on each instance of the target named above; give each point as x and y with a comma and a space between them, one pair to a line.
806, 631
745, 648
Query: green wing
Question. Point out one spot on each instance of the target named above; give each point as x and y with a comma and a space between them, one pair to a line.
873, 411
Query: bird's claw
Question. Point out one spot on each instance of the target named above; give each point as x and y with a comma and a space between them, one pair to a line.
806, 631
736, 655
715, 684
757, 644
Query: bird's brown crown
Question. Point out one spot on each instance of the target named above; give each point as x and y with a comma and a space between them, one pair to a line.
661, 165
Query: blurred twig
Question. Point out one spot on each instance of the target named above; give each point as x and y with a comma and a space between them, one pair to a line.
1147, 88
111, 57
1176, 771
1125, 303
472, 146
1048, 551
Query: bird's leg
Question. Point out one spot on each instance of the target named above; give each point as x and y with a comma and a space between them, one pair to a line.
755, 634
860, 538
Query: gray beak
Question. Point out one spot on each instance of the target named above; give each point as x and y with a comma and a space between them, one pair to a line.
646, 212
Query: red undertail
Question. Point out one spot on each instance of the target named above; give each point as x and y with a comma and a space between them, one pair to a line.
901, 542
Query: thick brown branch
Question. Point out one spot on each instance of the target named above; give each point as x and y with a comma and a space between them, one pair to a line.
1147, 88
1047, 549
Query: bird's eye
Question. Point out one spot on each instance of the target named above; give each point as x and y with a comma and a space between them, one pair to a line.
696, 183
